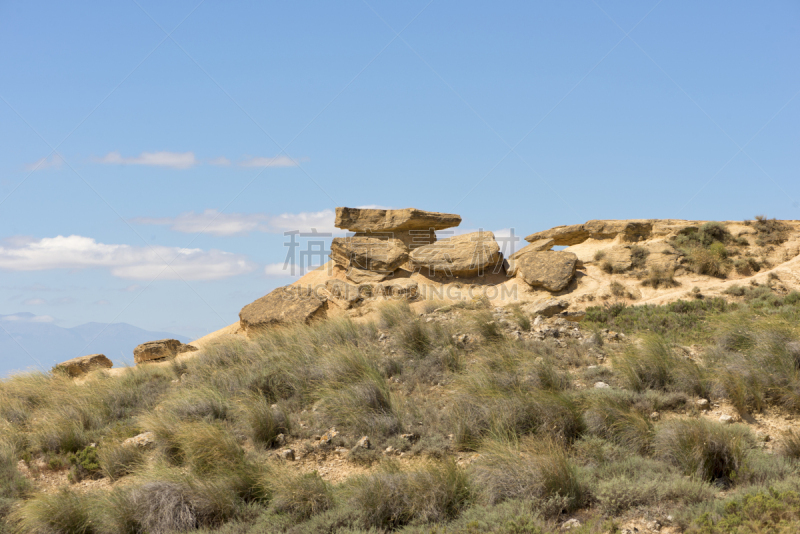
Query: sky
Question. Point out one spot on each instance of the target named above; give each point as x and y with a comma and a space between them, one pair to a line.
154, 154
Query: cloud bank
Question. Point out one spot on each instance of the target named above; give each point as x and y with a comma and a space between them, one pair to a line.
216, 223
174, 160
122, 261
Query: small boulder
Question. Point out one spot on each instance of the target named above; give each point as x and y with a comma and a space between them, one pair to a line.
83, 364
285, 305
328, 436
553, 269
363, 443
601, 385
161, 349
286, 454
726, 419
145, 440
547, 308
462, 255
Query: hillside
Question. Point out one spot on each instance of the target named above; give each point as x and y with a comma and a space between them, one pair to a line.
644, 376
48, 344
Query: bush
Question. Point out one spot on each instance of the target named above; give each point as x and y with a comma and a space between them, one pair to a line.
611, 416
64, 512
770, 231
391, 498
639, 256
85, 464
708, 450
119, 460
531, 470
767, 511
300, 496
658, 277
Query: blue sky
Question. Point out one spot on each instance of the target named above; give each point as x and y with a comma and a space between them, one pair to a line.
136, 134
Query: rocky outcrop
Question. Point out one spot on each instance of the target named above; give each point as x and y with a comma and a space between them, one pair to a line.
83, 364
369, 253
161, 349
285, 305
552, 269
630, 230
463, 255
361, 276
662, 255
413, 227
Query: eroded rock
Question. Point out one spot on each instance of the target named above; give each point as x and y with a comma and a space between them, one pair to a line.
284, 305
462, 255
552, 269
161, 349
375, 220
83, 364
369, 253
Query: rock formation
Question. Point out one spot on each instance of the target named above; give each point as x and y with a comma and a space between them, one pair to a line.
411, 226
83, 364
551, 269
462, 255
285, 305
161, 349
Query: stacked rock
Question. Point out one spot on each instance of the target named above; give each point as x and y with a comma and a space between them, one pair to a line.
384, 239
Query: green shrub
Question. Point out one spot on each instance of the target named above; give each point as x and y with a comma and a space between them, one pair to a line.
300, 496
85, 464
770, 231
530, 470
390, 499
710, 451
754, 513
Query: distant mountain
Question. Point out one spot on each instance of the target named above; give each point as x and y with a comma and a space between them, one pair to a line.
26, 338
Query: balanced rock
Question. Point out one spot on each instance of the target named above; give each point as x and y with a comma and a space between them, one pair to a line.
83, 364
369, 253
551, 269
160, 350
413, 227
284, 305
463, 255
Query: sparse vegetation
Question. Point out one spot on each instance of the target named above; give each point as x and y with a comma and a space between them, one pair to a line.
535, 442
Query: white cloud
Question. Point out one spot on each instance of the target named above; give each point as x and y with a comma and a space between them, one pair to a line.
42, 319
123, 261
277, 161
53, 162
279, 270
174, 160
221, 161
34, 302
216, 223
27, 318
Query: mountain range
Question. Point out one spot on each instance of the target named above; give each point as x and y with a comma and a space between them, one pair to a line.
29, 342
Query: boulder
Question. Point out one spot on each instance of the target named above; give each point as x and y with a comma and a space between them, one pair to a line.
562, 235
547, 308
360, 276
369, 253
285, 305
536, 246
160, 350
463, 255
551, 269
374, 220
145, 440
83, 364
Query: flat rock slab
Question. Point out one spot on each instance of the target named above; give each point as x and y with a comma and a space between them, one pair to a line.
284, 305
369, 253
551, 269
372, 220
537, 246
83, 364
631, 230
360, 276
160, 350
462, 255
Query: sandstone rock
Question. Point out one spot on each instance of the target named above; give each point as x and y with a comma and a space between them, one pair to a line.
726, 419
350, 293
631, 231
551, 269
83, 364
619, 258
398, 287
360, 276
286, 454
160, 350
363, 443
537, 246
328, 436
369, 253
547, 308
285, 305
463, 255
562, 235
662, 256
144, 440
573, 316
374, 220
702, 404
410, 438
